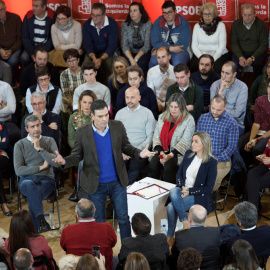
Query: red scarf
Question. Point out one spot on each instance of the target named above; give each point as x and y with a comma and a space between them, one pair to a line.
166, 134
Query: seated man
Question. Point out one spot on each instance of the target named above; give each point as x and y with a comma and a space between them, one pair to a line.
100, 35
139, 123
206, 240
172, 31
36, 30
5, 72
249, 40
193, 93
33, 164
154, 247
52, 93
10, 39
259, 237
23, 259
28, 75
89, 72
78, 239
160, 77
235, 91
205, 77
223, 130
50, 122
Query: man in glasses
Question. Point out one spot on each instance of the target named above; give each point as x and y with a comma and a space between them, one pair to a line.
100, 35
171, 30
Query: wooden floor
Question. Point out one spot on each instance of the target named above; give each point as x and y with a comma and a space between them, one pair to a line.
67, 210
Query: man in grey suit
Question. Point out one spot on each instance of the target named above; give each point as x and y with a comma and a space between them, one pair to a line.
101, 144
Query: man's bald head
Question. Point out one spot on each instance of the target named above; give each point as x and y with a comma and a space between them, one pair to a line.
197, 214
133, 97
23, 259
85, 209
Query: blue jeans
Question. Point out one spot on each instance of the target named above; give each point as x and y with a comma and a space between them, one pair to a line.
25, 59
176, 58
177, 207
118, 196
36, 188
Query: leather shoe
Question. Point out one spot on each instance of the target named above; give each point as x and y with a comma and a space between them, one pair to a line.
8, 213
74, 196
43, 226
51, 198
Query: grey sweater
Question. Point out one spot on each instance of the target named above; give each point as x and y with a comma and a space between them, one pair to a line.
27, 159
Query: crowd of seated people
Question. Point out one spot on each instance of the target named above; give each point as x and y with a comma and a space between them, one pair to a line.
180, 94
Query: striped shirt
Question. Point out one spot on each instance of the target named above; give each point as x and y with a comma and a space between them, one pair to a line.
224, 134
39, 29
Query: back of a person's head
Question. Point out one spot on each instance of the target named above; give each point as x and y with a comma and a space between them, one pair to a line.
136, 261
244, 256
85, 208
246, 214
198, 214
141, 224
87, 262
189, 259
23, 259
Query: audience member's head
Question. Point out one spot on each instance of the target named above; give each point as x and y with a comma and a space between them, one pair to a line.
87, 97
206, 64
40, 57
135, 76
23, 259
119, 71
266, 69
197, 215
3, 10
20, 230
39, 8
141, 224
64, 10
89, 72
98, 14
228, 72
72, 58
209, 8
44, 73
246, 215
189, 259
87, 262
248, 12
218, 106
144, 15
33, 126
136, 261
133, 97
38, 102
163, 57
85, 209
182, 75
244, 255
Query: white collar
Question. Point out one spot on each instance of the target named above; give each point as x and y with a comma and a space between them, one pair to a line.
184, 89
41, 19
135, 109
30, 139
249, 229
100, 133
86, 220
105, 23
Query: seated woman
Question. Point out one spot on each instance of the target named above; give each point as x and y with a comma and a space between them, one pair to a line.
244, 257
195, 180
118, 79
172, 138
22, 233
259, 177
148, 97
52, 93
4, 164
259, 86
135, 36
209, 37
66, 34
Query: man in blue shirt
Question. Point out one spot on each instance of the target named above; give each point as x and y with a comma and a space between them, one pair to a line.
223, 130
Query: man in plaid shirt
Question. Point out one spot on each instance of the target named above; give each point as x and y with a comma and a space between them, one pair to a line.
224, 133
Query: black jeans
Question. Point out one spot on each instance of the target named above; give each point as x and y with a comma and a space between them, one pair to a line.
4, 163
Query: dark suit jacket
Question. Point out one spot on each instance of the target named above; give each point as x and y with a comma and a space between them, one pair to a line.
205, 180
206, 240
85, 148
154, 247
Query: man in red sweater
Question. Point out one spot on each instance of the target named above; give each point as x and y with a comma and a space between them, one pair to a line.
79, 238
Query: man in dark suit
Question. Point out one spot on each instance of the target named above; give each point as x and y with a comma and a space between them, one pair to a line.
101, 144
259, 237
154, 247
206, 240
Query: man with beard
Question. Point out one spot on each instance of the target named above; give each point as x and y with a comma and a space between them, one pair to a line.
193, 93
28, 76
206, 76
160, 77
223, 130
235, 91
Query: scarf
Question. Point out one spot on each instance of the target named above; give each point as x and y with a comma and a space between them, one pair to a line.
190, 98
137, 40
66, 27
211, 28
166, 134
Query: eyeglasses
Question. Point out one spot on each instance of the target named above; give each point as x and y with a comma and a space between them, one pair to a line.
61, 19
37, 104
43, 80
207, 15
96, 16
167, 13
72, 61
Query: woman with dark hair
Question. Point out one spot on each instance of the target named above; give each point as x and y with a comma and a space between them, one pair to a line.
136, 261
172, 138
118, 79
66, 34
135, 36
189, 259
4, 164
244, 257
22, 234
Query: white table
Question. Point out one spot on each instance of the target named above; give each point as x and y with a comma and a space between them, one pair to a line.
153, 208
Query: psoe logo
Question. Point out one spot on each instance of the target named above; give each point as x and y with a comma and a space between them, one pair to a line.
53, 6
222, 7
85, 7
